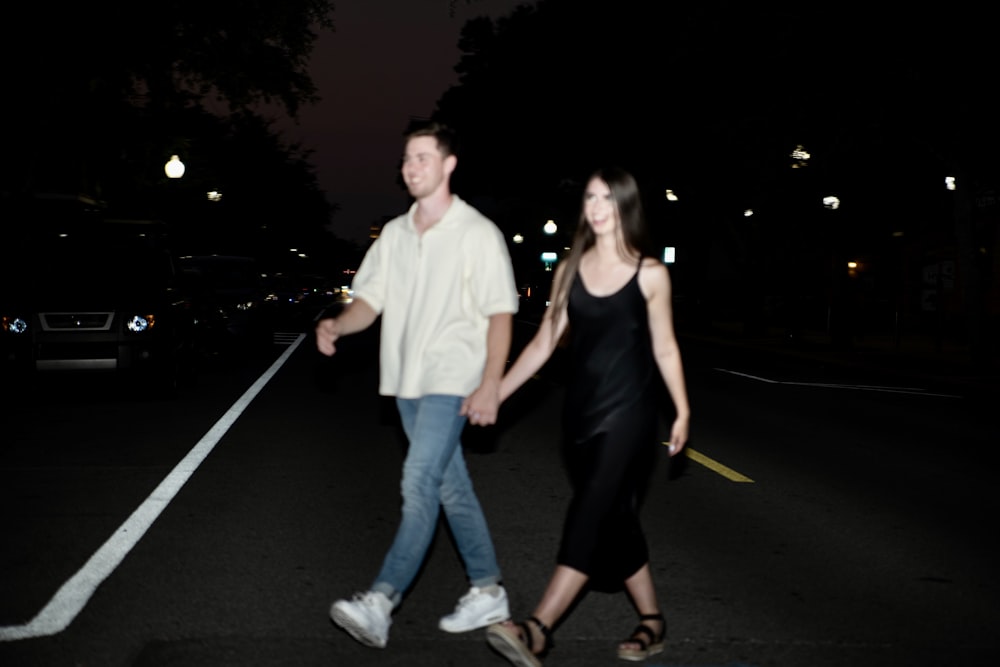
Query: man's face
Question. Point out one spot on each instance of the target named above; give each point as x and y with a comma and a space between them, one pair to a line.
424, 169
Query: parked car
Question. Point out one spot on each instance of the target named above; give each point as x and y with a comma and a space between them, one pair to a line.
230, 302
88, 294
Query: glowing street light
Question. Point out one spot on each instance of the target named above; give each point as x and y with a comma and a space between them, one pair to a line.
174, 168
550, 227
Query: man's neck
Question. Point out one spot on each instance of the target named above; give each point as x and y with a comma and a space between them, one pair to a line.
430, 210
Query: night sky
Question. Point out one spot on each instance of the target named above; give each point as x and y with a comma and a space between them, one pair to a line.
387, 61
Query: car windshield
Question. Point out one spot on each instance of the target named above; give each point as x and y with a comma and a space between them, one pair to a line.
103, 256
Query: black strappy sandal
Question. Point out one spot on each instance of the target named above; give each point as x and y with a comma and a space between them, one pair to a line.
649, 642
519, 647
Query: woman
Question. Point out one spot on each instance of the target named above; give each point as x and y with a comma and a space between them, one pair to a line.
613, 300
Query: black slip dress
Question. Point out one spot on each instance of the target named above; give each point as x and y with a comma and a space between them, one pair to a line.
610, 425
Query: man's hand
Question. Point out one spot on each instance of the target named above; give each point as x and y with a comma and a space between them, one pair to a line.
327, 332
482, 406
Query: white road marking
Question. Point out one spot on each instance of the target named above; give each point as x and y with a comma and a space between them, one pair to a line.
285, 338
71, 598
856, 387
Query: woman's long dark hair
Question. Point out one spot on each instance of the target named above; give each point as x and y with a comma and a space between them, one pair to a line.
633, 240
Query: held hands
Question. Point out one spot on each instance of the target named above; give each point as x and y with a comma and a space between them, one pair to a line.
482, 406
327, 332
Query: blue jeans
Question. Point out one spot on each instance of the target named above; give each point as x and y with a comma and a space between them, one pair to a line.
435, 477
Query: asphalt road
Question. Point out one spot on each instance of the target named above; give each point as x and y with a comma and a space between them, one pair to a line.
822, 517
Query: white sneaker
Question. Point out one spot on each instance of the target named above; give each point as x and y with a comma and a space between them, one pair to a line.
477, 609
366, 617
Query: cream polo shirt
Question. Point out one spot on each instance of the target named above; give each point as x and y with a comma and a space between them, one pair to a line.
435, 293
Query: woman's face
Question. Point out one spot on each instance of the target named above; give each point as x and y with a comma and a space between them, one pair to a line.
599, 208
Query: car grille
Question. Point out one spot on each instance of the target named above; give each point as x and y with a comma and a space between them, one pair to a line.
76, 321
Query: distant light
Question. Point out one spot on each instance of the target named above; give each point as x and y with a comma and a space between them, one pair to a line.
852, 265
669, 255
518, 238
800, 157
949, 182
747, 213
671, 196
174, 168
831, 202
214, 195
549, 257
550, 227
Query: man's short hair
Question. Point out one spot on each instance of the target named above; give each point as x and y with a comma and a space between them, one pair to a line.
446, 140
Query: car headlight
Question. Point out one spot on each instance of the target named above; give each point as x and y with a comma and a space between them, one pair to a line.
14, 325
140, 323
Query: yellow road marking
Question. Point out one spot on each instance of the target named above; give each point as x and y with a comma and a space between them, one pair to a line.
714, 465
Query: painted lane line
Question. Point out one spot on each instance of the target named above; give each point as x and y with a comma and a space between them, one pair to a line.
855, 387
746, 375
715, 466
71, 598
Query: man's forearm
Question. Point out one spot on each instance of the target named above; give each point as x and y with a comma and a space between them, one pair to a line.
498, 338
357, 316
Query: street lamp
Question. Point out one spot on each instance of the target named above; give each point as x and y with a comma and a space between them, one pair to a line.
550, 227
174, 168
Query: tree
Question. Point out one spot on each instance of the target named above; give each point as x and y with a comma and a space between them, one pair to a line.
710, 98
83, 73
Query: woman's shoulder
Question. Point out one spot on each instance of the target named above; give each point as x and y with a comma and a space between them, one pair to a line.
651, 265
653, 276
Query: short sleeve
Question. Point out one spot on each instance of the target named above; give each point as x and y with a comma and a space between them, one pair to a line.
490, 264
370, 281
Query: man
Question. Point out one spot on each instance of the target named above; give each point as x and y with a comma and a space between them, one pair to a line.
441, 279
